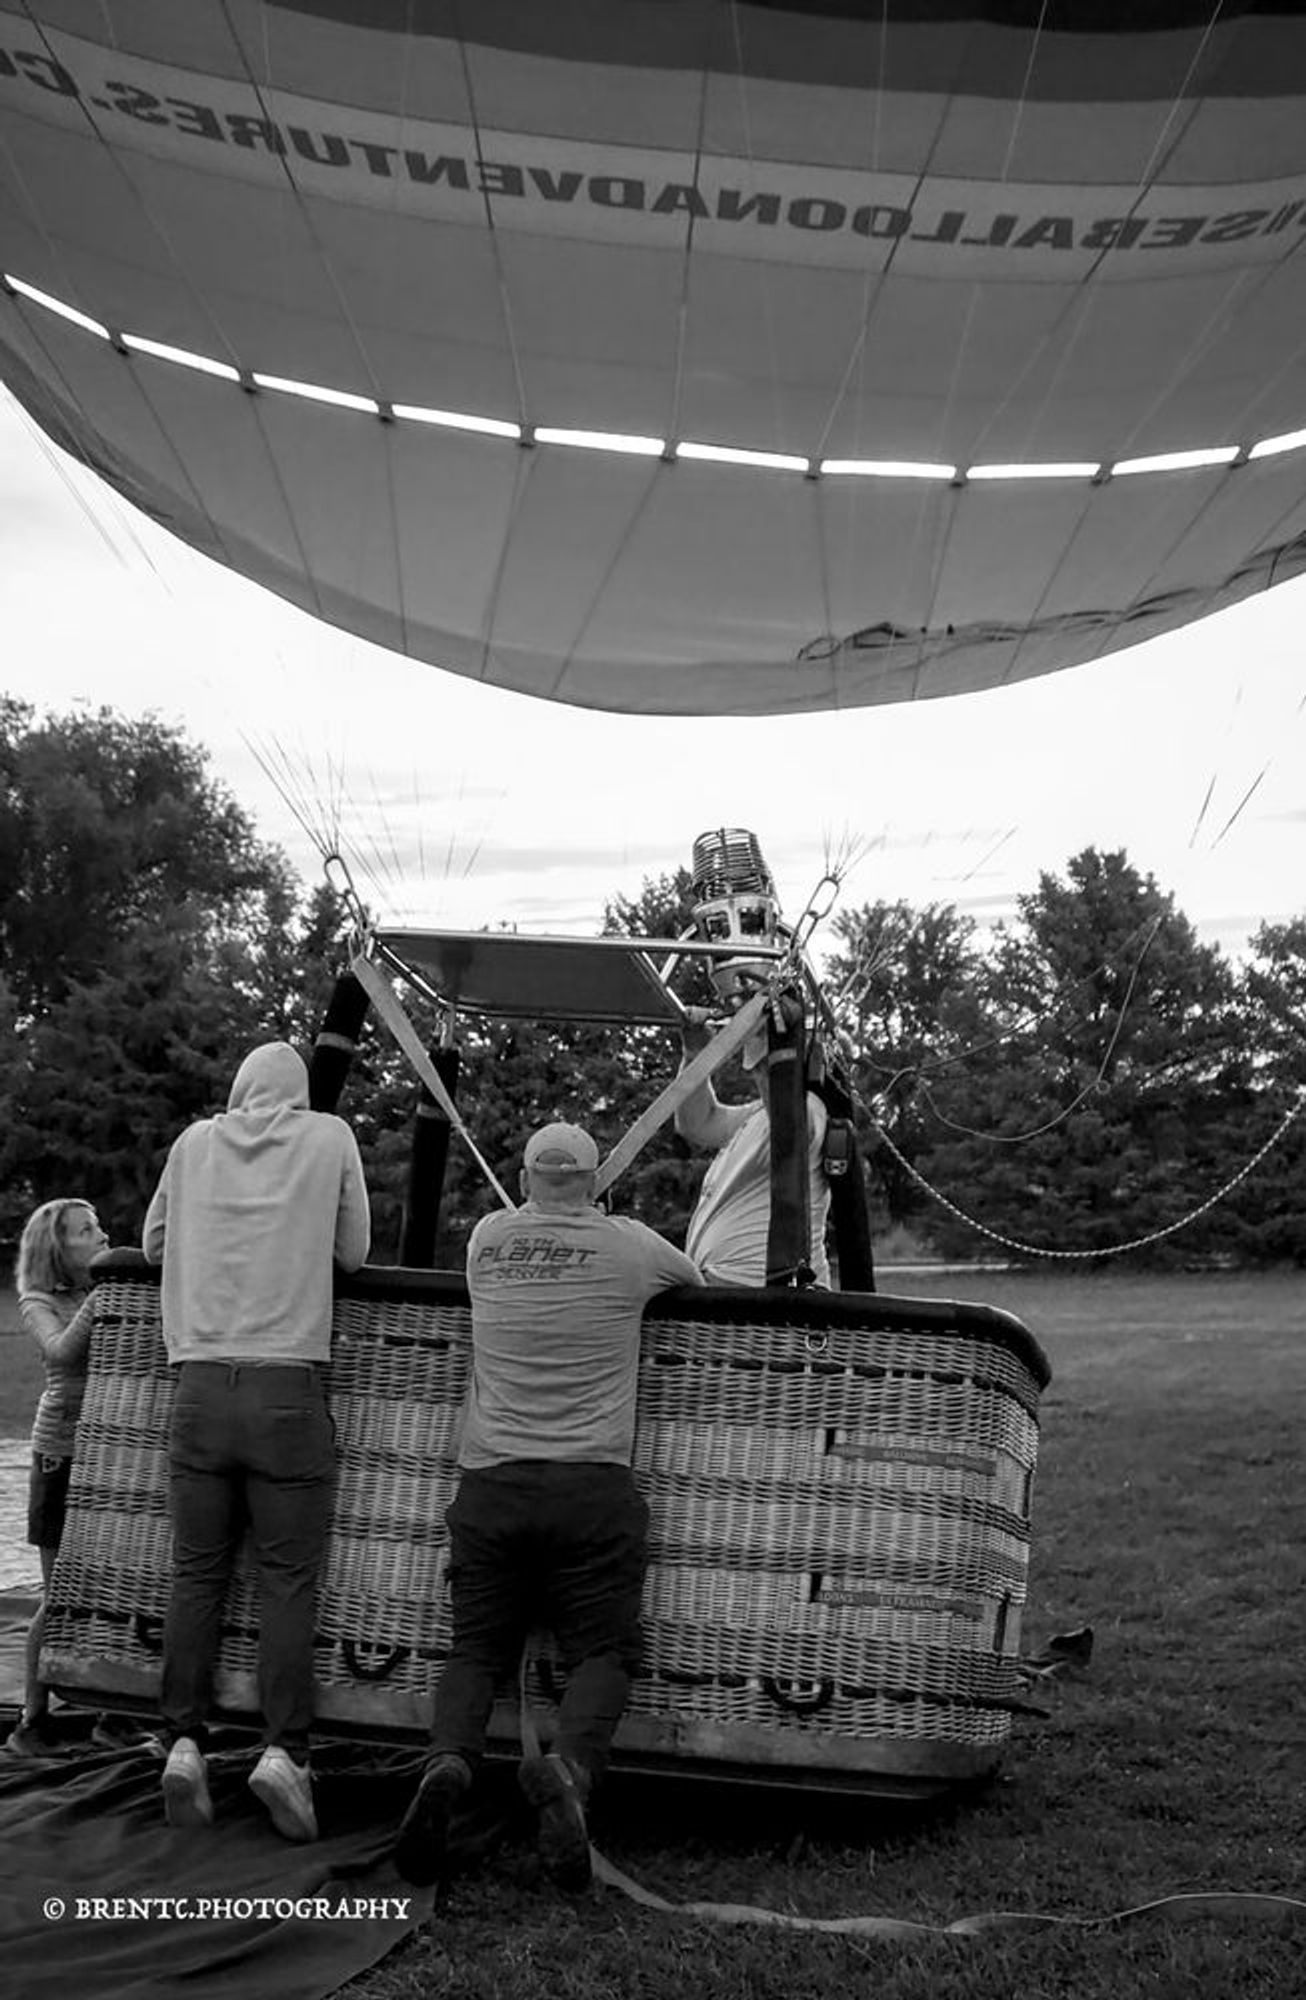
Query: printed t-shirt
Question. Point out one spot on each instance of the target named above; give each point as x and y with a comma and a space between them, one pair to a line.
556, 1305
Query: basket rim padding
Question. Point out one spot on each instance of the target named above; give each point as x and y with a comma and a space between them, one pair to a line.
728, 1304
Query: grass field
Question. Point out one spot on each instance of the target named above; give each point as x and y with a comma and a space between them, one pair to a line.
1170, 1516
21, 1375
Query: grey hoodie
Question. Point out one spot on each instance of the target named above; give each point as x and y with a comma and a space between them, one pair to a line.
251, 1210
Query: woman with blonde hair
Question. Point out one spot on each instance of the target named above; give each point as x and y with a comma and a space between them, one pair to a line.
53, 1279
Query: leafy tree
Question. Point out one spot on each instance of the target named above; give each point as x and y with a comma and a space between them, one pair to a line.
1274, 997
108, 824
1101, 1112
1268, 1209
147, 939
664, 908
517, 1074
112, 1074
1087, 1078
903, 982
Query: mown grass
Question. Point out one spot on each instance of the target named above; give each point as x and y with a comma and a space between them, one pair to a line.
21, 1375
1171, 1516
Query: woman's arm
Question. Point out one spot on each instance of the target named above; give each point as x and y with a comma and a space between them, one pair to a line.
58, 1342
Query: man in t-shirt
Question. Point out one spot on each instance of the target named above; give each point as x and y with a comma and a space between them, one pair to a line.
727, 1235
547, 1526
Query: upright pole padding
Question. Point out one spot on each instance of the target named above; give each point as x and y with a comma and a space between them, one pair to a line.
788, 1242
845, 1169
427, 1160
337, 1043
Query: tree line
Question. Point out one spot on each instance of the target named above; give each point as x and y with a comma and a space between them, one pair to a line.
1084, 1075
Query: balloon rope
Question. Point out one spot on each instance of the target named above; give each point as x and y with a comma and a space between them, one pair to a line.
1112, 1250
1223, 1904
853, 990
1094, 1083
708, 1060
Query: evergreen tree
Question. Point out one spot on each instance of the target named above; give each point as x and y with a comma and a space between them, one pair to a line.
1099, 1111
518, 1074
1091, 1076
110, 1074
903, 984
1268, 1209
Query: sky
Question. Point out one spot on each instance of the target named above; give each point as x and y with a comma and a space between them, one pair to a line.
462, 806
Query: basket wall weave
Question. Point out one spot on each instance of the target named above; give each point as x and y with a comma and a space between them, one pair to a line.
840, 1493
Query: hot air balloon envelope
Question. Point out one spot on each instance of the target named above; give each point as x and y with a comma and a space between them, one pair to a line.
695, 357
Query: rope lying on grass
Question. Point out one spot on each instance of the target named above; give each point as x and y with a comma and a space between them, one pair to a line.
1067, 1648
1168, 1909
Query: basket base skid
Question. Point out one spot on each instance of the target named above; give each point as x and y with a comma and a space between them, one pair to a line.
799, 1757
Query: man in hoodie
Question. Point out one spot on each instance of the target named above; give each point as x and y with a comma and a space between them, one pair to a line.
251, 1211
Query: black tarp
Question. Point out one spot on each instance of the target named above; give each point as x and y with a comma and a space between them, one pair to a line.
232, 1910
218, 1913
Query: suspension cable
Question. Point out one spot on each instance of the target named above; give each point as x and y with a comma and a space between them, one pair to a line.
1112, 1250
1050, 1124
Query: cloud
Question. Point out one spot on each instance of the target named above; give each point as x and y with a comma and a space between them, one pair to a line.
999, 904
548, 855
1234, 933
437, 858
946, 836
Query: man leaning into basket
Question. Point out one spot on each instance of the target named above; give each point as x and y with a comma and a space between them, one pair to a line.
547, 1526
252, 1208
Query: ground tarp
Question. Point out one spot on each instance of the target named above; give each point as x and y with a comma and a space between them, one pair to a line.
214, 1914
16, 1608
100, 1899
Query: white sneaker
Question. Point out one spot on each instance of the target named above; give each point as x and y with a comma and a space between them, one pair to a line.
186, 1800
286, 1789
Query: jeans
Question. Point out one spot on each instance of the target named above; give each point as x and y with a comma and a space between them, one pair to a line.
249, 1445
544, 1542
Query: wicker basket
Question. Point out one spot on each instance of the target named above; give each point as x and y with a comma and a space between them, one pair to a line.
840, 1493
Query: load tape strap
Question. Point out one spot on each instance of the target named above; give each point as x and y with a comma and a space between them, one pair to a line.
382, 996
691, 1078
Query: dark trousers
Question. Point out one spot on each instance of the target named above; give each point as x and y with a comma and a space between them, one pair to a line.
544, 1543
248, 1446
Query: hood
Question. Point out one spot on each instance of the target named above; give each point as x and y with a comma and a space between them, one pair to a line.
273, 1077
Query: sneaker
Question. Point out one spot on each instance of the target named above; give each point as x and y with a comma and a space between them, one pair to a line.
554, 1789
424, 1832
286, 1789
31, 1738
186, 1800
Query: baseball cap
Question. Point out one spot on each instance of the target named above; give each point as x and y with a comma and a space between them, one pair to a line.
561, 1149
